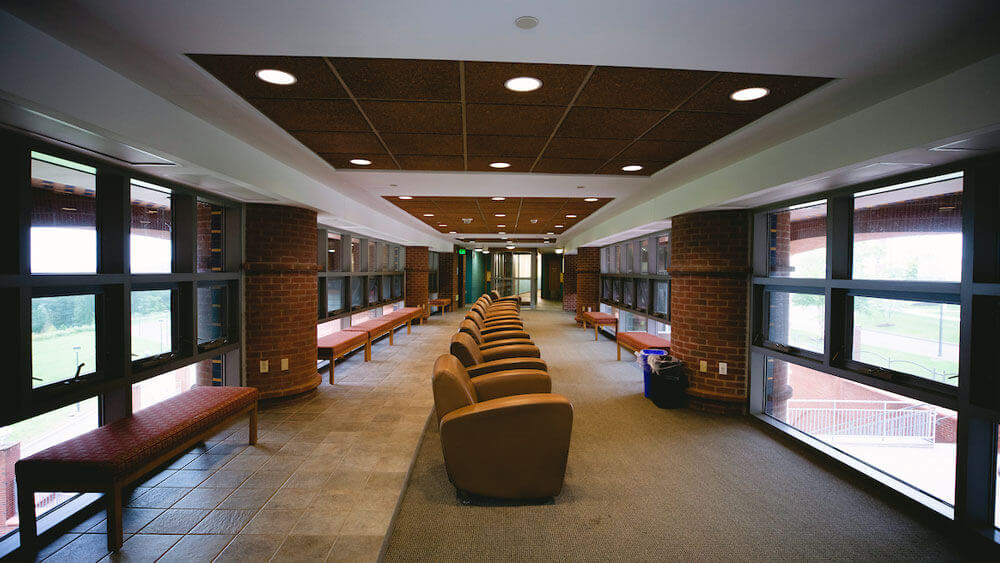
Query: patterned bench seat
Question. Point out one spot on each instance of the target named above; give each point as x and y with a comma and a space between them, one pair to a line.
599, 319
443, 303
337, 345
385, 324
110, 457
635, 341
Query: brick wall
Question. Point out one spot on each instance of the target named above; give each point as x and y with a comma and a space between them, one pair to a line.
416, 276
447, 278
569, 282
9, 454
588, 278
281, 299
709, 282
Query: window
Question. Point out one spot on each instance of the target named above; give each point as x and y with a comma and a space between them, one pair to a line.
383, 265
397, 287
628, 288
661, 299
797, 242
629, 264
904, 438
33, 435
662, 254
363, 316
357, 292
630, 322
617, 284
63, 216
162, 387
605, 266
606, 289
386, 287
152, 327
333, 252
334, 295
63, 338
372, 257
642, 294
915, 337
151, 248
657, 328
211, 222
619, 258
796, 320
397, 263
373, 283
644, 256
910, 233
212, 311
355, 255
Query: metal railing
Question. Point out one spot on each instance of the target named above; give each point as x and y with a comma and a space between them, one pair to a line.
886, 421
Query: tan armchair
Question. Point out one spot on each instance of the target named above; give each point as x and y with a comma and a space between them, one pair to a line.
489, 313
504, 442
481, 362
494, 296
495, 339
488, 328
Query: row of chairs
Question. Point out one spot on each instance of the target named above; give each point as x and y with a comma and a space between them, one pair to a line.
504, 433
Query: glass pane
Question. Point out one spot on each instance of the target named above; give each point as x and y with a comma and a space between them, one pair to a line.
644, 256
31, 436
334, 294
628, 288
397, 263
63, 338
355, 255
642, 295
373, 290
618, 291
332, 252
912, 337
211, 219
606, 293
63, 216
619, 258
162, 387
996, 504
604, 260
150, 238
372, 257
662, 254
384, 261
913, 233
327, 328
797, 242
358, 318
629, 260
397, 286
911, 441
630, 322
212, 329
657, 328
386, 287
357, 292
662, 298
796, 319
151, 323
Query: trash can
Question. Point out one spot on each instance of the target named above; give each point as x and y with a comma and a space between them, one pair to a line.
647, 367
667, 383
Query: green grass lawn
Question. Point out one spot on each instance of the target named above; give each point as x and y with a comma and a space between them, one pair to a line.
917, 320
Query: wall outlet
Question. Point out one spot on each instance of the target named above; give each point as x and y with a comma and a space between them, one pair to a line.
704, 365
722, 368
284, 364
263, 366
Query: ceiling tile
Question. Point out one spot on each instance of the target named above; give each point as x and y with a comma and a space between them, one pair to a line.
538, 121
585, 148
313, 115
484, 83
641, 88
414, 117
380, 161
238, 72
415, 162
400, 79
658, 151
567, 165
715, 96
604, 123
517, 164
510, 146
698, 126
342, 142
415, 143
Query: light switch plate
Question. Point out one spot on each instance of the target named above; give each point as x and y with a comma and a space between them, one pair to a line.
704, 365
284, 364
263, 366
722, 368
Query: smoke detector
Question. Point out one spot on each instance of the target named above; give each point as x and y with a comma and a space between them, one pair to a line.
526, 22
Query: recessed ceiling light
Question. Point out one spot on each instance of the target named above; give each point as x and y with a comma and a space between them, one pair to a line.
632, 168
69, 209
533, 221
503, 232
360, 161
406, 197
499, 165
550, 233
510, 247
498, 198
152, 212
571, 216
559, 226
500, 215
523, 84
428, 214
273, 76
442, 225
501, 226
590, 199
453, 232
749, 94
486, 251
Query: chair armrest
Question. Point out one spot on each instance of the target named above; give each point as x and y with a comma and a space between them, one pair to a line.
512, 351
500, 328
507, 364
508, 342
502, 317
514, 382
512, 334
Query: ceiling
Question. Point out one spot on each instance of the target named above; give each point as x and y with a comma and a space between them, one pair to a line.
508, 216
407, 114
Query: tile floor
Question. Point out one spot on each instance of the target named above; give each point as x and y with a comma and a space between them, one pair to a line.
322, 483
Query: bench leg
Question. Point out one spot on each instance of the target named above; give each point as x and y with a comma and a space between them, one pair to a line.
368, 350
597, 328
408, 326
391, 331
253, 419
333, 362
116, 535
26, 517
619, 351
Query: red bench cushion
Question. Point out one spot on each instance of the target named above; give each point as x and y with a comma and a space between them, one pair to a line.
340, 342
599, 318
643, 340
125, 445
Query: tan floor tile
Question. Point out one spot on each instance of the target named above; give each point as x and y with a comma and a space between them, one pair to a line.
246, 548
367, 522
196, 548
247, 498
226, 479
356, 548
307, 479
267, 479
203, 497
305, 548
246, 463
346, 480
223, 522
143, 547
319, 522
272, 522
175, 521
291, 498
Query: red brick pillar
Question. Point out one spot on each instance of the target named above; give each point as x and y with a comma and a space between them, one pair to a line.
447, 278
9, 454
416, 276
281, 299
709, 281
569, 282
588, 278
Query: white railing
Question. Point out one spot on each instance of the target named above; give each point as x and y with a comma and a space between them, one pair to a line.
884, 421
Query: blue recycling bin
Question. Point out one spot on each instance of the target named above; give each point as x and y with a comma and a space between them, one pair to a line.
646, 370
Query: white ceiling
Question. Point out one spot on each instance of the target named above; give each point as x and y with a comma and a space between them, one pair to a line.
146, 42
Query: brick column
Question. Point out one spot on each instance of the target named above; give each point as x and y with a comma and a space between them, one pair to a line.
447, 278
9, 454
416, 276
569, 282
281, 299
588, 278
709, 282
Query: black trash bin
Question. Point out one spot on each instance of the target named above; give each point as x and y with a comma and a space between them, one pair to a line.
667, 384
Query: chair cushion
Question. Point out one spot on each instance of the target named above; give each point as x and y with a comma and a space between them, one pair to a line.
596, 317
340, 342
373, 326
125, 445
643, 340
439, 302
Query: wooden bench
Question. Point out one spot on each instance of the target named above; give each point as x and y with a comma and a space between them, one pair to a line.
599, 319
443, 303
111, 457
386, 324
339, 344
635, 341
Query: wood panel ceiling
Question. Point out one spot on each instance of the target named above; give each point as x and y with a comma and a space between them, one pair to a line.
457, 116
512, 216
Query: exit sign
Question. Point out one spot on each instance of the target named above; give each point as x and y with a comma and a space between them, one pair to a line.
461, 251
